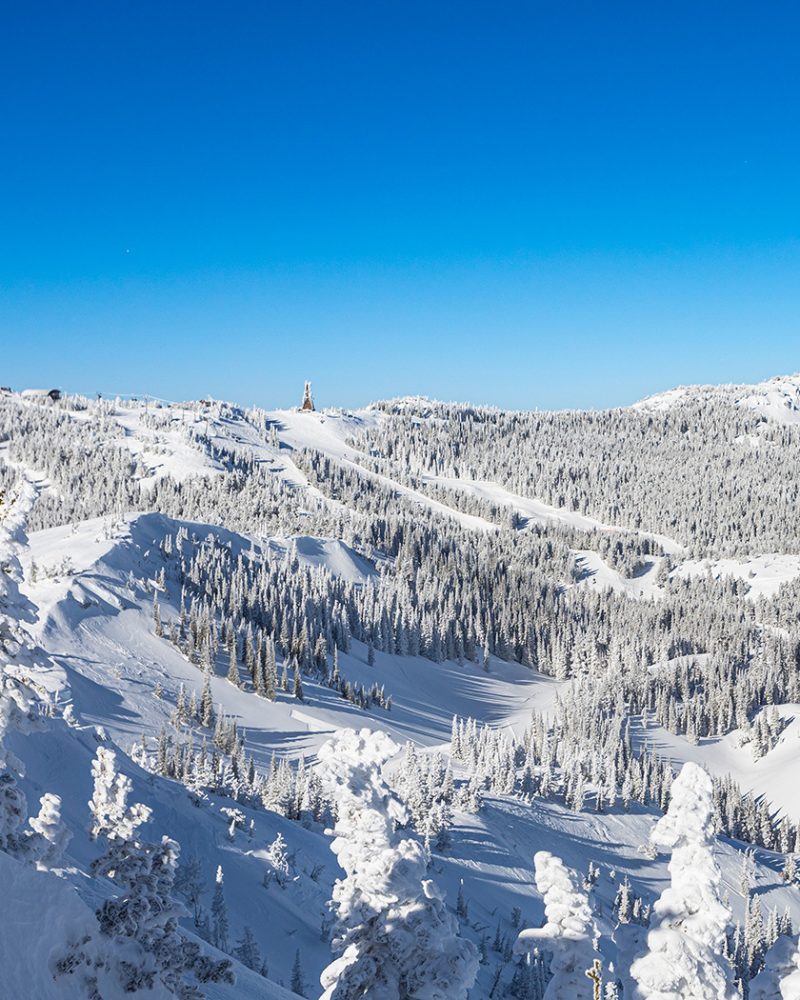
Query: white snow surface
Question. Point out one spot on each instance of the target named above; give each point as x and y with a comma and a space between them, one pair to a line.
329, 554
763, 574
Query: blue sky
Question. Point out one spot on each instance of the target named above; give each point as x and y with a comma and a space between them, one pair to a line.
526, 204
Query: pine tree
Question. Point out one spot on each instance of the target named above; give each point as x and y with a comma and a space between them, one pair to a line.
248, 952
143, 920
278, 858
755, 943
685, 954
207, 704
393, 936
233, 667
190, 884
298, 984
271, 671
462, 910
158, 628
568, 930
219, 913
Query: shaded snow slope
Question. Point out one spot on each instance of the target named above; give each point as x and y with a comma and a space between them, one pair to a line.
595, 572
770, 776
95, 617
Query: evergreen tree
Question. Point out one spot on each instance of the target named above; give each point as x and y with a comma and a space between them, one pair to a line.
297, 687
142, 921
685, 954
248, 952
219, 913
568, 930
393, 935
298, 984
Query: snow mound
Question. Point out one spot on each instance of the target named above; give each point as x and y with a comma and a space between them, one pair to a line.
777, 399
330, 554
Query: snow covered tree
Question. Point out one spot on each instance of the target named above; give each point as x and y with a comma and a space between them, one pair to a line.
755, 943
219, 913
142, 922
297, 685
233, 666
278, 858
45, 838
568, 930
158, 628
207, 703
394, 938
685, 958
53, 833
779, 978
190, 885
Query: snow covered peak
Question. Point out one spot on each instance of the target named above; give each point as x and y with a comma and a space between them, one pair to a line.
776, 399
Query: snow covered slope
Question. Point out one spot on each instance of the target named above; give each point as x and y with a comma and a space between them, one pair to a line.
776, 399
763, 575
151, 634
94, 615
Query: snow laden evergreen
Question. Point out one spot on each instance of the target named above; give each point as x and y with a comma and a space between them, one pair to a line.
393, 936
40, 839
685, 959
142, 921
780, 977
568, 932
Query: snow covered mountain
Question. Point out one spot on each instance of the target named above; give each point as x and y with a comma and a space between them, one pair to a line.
547, 614
776, 399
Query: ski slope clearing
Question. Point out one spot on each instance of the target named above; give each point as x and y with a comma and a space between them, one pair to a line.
537, 512
763, 575
327, 431
596, 573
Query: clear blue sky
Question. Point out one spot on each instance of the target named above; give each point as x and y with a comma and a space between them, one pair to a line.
527, 204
